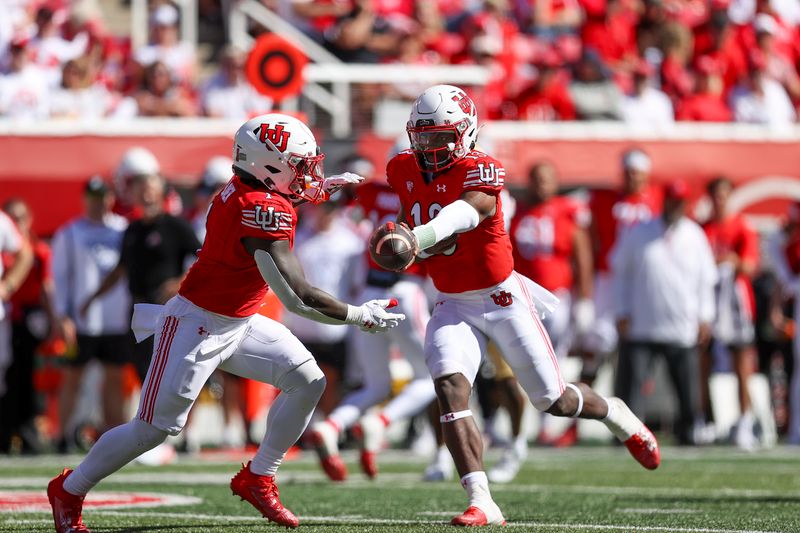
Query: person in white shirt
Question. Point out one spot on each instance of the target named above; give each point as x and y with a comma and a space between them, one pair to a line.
23, 89
228, 94
760, 99
664, 277
77, 97
331, 254
646, 105
165, 47
49, 49
84, 251
216, 174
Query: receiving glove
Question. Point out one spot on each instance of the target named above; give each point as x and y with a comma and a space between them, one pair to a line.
372, 316
331, 184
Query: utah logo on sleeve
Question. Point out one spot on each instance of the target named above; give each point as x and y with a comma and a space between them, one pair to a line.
266, 219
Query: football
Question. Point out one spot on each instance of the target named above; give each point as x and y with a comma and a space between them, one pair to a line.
392, 246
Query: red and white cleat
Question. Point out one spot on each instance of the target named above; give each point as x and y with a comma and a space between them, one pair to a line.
262, 493
643, 446
474, 517
370, 432
67, 508
326, 441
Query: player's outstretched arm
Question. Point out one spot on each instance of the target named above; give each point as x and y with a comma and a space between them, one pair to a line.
282, 271
461, 216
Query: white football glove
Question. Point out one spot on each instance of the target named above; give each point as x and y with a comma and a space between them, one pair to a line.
372, 316
331, 184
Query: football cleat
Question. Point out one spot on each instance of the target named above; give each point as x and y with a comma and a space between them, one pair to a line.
370, 433
566, 439
262, 493
643, 446
474, 517
326, 441
67, 508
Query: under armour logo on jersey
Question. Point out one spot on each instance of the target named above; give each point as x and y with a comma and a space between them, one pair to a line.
409, 185
441, 187
503, 298
202, 331
277, 136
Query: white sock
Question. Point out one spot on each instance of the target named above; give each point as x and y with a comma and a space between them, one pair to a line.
288, 416
266, 461
477, 486
115, 448
345, 416
412, 399
620, 420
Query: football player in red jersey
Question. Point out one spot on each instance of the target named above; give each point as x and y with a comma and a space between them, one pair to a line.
213, 322
612, 212
446, 187
551, 245
378, 203
735, 247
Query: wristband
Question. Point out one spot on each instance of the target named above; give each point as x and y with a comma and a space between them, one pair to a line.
354, 314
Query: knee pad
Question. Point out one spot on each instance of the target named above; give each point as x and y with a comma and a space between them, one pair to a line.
147, 435
307, 378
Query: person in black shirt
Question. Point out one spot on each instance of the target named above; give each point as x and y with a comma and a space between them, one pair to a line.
156, 251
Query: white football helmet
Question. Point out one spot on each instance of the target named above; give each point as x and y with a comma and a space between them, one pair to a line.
443, 127
135, 162
281, 152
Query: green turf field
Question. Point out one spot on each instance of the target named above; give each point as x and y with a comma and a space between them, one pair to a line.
584, 489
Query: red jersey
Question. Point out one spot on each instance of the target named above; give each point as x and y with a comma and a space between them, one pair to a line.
543, 237
29, 294
225, 278
482, 257
704, 108
613, 213
380, 204
734, 235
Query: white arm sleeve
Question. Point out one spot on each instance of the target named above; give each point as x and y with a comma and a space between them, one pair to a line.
269, 271
457, 217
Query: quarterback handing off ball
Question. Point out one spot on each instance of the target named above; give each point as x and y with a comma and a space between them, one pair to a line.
392, 246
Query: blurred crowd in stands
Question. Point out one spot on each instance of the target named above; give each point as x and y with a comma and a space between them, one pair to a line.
644, 62
638, 278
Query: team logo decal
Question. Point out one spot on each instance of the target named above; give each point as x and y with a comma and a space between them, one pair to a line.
463, 102
502, 298
277, 135
19, 501
266, 219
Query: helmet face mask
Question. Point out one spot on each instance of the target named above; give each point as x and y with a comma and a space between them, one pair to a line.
281, 152
442, 128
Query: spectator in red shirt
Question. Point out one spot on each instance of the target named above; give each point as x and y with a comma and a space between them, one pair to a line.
736, 250
548, 98
612, 32
32, 320
676, 80
707, 103
718, 40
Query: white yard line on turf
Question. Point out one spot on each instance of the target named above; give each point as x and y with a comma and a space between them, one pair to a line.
410, 481
657, 510
390, 521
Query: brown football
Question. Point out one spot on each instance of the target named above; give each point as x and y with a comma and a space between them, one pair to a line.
392, 246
